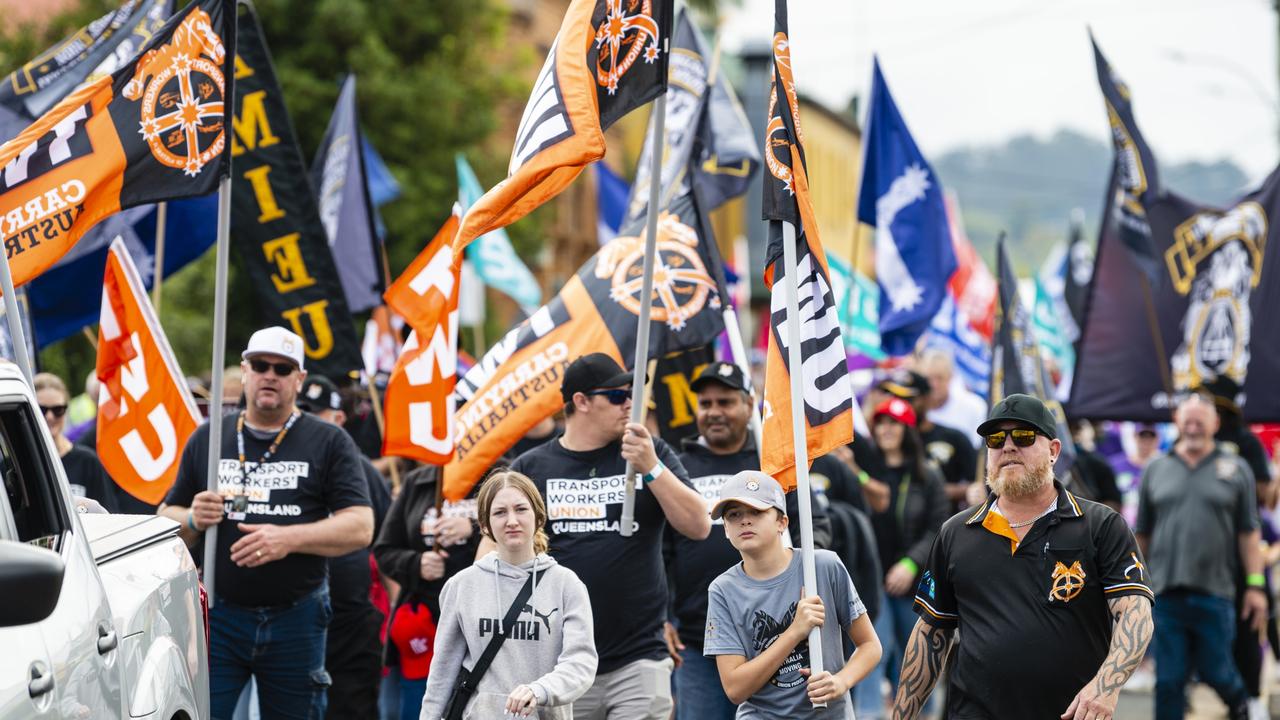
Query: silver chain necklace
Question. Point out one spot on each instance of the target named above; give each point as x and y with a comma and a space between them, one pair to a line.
1025, 523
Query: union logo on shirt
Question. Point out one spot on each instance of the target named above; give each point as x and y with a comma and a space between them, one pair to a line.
1067, 581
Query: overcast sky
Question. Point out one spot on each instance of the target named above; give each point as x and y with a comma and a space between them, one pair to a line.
1202, 72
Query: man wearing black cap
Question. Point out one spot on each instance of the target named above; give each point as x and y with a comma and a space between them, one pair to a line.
723, 447
353, 652
1048, 590
581, 475
946, 446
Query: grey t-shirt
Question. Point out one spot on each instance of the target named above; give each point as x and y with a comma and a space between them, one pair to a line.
1194, 517
745, 616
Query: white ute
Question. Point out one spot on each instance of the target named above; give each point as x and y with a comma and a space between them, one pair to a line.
101, 616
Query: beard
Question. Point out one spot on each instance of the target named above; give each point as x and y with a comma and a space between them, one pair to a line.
1023, 481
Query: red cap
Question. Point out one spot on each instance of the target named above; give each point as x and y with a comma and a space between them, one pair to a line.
413, 630
898, 409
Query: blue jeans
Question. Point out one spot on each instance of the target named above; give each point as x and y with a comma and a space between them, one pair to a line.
281, 647
893, 627
389, 696
1192, 627
699, 693
411, 695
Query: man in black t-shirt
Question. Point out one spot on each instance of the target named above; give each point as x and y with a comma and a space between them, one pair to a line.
292, 493
723, 447
353, 650
948, 447
581, 477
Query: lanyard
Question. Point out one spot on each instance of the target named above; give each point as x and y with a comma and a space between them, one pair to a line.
271, 450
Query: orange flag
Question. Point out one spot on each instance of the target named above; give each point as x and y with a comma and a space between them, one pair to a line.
608, 59
145, 411
419, 403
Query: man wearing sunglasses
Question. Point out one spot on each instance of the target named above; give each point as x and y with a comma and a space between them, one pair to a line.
1049, 591
291, 493
581, 477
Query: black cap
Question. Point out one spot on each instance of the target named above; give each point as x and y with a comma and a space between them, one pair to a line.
727, 374
1223, 391
319, 393
905, 384
592, 372
1024, 409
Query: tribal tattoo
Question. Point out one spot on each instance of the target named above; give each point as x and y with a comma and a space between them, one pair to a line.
1131, 629
921, 666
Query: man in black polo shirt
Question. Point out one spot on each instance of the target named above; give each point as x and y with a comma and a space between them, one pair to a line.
723, 448
581, 477
1048, 590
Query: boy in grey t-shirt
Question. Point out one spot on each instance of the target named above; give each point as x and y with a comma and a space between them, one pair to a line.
758, 623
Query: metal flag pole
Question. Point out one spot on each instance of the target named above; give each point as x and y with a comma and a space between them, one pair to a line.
162, 221
646, 301
794, 362
222, 250
734, 329
14, 320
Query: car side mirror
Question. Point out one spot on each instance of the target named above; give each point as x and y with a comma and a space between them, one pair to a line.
30, 583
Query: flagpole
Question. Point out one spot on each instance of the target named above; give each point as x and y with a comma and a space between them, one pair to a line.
222, 249
376, 402
657, 146
803, 498
162, 221
14, 320
734, 328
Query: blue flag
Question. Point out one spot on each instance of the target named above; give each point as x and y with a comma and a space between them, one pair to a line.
495, 261
611, 202
382, 185
902, 199
346, 211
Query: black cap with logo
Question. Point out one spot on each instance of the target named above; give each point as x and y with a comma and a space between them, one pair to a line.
1024, 409
905, 384
727, 374
593, 372
319, 393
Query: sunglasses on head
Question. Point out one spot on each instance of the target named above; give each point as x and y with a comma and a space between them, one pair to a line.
615, 396
1022, 437
56, 410
282, 369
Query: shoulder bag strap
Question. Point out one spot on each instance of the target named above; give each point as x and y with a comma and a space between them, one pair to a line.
491, 650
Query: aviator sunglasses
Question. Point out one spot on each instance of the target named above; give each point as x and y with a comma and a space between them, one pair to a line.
282, 369
615, 396
55, 410
1022, 437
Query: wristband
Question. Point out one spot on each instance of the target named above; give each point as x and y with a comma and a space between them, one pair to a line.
1257, 580
910, 564
654, 473
191, 518
863, 477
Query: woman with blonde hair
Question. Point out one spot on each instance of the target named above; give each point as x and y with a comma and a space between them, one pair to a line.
515, 632
85, 473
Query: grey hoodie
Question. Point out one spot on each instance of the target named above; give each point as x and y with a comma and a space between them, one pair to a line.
550, 648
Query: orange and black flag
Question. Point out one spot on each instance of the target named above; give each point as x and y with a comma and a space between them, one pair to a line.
153, 130
828, 397
609, 58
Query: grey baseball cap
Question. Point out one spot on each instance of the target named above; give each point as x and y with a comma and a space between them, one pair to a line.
753, 489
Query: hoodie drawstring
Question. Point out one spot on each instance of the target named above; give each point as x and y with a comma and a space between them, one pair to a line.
497, 588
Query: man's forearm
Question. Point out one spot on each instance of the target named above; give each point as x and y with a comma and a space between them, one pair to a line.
1131, 628
1251, 552
343, 532
179, 514
685, 509
921, 667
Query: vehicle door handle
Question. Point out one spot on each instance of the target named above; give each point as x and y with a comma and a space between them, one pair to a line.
41, 680
106, 639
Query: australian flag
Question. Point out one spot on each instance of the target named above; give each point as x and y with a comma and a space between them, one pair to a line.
902, 199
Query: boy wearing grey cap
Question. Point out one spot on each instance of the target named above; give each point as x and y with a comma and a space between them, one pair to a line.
759, 614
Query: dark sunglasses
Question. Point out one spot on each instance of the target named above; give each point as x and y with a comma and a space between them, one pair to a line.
1022, 437
283, 369
57, 410
615, 396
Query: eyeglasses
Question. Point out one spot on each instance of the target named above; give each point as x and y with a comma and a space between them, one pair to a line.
1022, 437
283, 369
55, 410
615, 396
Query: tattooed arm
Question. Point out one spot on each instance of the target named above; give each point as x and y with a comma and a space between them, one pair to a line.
1131, 629
921, 666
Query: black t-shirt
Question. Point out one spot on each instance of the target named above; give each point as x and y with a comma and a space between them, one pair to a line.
624, 575
349, 577
1233, 435
953, 452
837, 481
1097, 475
315, 472
867, 456
1033, 616
88, 478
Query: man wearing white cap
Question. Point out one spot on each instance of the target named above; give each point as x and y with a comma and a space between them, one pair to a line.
292, 488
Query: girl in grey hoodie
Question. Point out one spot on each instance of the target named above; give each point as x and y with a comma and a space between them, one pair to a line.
548, 659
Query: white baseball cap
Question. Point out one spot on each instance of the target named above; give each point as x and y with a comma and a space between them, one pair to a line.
276, 341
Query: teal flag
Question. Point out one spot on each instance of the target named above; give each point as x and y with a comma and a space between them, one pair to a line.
858, 301
494, 259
